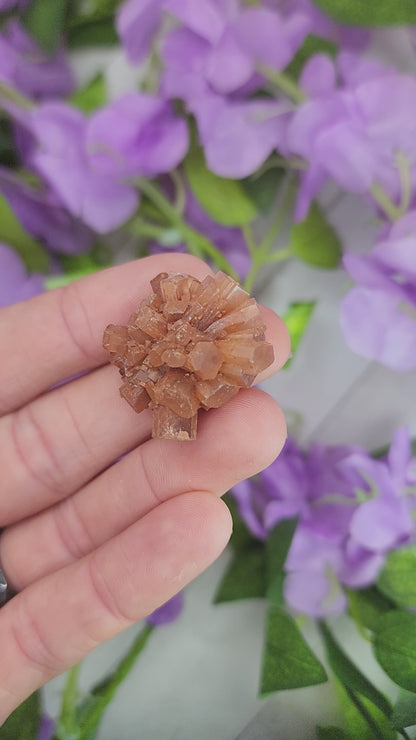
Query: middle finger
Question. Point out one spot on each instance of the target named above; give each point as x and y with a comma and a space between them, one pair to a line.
56, 444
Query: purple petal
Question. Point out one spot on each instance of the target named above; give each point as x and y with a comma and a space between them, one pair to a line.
228, 67
400, 456
265, 38
44, 217
318, 76
47, 728
238, 138
310, 184
245, 495
168, 612
32, 72
347, 156
137, 135
310, 593
137, 22
15, 284
184, 55
381, 524
398, 255
203, 17
361, 566
376, 326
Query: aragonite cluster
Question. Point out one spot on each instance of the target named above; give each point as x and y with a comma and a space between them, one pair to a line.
190, 345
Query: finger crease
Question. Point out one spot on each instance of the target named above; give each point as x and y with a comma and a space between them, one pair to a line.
104, 596
63, 514
145, 474
33, 646
46, 449
64, 293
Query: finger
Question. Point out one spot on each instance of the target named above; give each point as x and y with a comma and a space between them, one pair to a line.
51, 625
278, 335
59, 334
234, 442
58, 442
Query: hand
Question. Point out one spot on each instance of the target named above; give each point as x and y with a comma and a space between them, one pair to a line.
92, 547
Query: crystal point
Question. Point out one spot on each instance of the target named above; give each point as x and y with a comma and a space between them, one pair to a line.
190, 345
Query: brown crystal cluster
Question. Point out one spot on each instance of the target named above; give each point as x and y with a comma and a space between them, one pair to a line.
191, 344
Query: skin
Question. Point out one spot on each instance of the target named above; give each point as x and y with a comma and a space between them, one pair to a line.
92, 547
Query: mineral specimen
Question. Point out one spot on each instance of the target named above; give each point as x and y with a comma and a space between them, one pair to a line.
190, 345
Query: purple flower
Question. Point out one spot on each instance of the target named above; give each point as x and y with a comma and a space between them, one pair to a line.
279, 492
137, 22
349, 134
15, 284
136, 135
168, 612
44, 217
352, 511
24, 65
378, 316
237, 137
47, 728
219, 48
61, 157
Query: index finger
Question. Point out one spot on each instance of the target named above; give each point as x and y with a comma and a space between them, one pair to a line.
59, 334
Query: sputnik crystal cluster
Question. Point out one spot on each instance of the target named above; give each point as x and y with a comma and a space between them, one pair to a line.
190, 345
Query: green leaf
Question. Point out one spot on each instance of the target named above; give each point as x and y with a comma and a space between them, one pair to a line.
330, 733
404, 710
92, 709
245, 578
24, 723
311, 46
315, 241
395, 647
91, 97
288, 661
45, 20
398, 577
88, 33
224, 200
362, 718
367, 13
12, 233
367, 605
348, 674
277, 548
297, 318
262, 189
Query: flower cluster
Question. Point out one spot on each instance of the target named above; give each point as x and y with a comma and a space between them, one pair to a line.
351, 509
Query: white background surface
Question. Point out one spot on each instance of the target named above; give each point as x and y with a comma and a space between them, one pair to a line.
198, 677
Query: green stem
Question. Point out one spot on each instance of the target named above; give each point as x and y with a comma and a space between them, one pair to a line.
180, 199
10, 95
251, 244
260, 254
405, 182
105, 691
197, 243
392, 212
285, 83
68, 724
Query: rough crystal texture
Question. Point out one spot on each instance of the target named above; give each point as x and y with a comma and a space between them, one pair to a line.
190, 345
